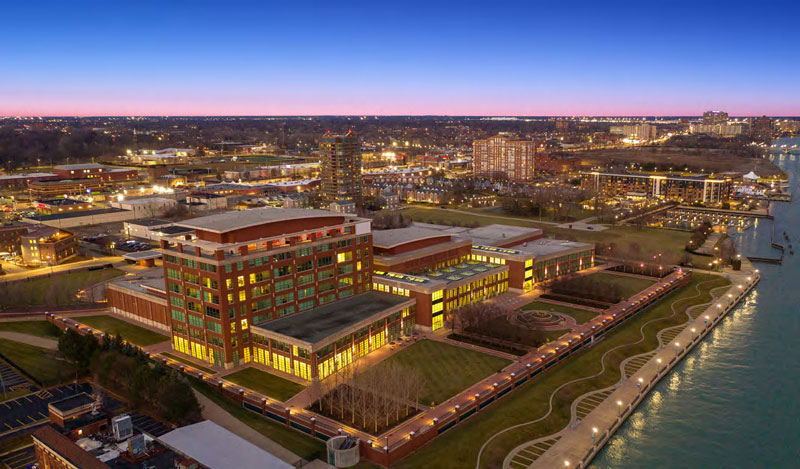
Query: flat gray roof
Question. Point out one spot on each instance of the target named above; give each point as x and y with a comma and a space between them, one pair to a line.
142, 285
389, 238
217, 448
141, 255
324, 321
238, 219
487, 235
546, 247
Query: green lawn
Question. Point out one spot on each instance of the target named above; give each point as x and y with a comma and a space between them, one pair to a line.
459, 447
265, 383
443, 217
305, 446
58, 290
44, 365
130, 332
188, 362
580, 315
628, 286
37, 328
446, 369
575, 211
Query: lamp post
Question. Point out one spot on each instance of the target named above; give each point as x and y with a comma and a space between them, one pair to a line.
619, 406
639, 383
594, 432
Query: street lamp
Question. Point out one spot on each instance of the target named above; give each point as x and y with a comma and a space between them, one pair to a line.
619, 406
594, 432
639, 384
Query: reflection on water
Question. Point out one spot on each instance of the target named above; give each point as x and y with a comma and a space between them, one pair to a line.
733, 401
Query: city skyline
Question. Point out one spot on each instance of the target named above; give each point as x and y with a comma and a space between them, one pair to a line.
424, 59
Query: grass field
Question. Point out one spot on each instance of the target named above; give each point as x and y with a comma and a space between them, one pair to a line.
37, 328
188, 362
628, 286
57, 290
580, 315
575, 212
46, 366
459, 447
300, 444
265, 383
130, 332
446, 369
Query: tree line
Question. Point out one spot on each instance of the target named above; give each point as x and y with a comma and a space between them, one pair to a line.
126, 370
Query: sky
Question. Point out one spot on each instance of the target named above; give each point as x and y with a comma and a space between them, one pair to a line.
529, 58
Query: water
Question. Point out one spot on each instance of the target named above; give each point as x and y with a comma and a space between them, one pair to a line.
735, 400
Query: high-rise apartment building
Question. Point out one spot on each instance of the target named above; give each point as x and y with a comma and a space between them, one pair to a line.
340, 167
504, 157
715, 117
762, 127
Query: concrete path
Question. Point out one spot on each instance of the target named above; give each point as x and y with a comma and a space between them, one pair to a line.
218, 415
36, 341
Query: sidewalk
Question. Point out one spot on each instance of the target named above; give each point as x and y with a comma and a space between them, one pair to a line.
36, 341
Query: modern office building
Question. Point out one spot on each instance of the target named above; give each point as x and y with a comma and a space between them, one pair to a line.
45, 245
286, 288
681, 188
340, 167
444, 268
504, 157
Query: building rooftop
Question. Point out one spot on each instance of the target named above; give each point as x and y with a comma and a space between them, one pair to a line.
61, 202
324, 321
142, 255
457, 272
544, 247
148, 222
397, 236
67, 449
27, 175
73, 402
217, 448
236, 220
174, 229
488, 235
82, 213
69, 167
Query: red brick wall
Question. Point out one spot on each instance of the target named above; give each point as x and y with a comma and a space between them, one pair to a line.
148, 310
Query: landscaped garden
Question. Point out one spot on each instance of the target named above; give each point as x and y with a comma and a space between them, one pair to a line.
598, 290
579, 315
445, 369
185, 361
130, 332
459, 447
265, 383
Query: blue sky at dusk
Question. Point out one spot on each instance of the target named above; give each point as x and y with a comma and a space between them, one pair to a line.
464, 58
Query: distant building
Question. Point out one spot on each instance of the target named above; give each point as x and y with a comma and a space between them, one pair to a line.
718, 130
51, 206
635, 131
94, 170
715, 117
340, 160
681, 188
45, 245
501, 157
763, 127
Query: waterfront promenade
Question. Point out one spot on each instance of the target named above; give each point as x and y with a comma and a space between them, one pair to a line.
579, 442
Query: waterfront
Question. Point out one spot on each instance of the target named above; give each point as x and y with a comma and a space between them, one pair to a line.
732, 401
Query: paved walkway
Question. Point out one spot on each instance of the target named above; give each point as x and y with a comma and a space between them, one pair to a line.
576, 447
36, 341
218, 415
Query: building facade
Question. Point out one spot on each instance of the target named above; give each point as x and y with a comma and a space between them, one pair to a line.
503, 157
45, 245
11, 237
340, 168
685, 189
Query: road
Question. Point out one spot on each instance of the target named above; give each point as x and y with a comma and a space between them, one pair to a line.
45, 271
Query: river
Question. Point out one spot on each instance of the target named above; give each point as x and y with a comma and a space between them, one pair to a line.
734, 401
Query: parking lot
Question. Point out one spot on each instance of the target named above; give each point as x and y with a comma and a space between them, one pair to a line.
26, 411
11, 380
22, 458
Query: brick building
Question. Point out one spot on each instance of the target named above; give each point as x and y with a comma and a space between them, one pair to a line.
45, 245
504, 157
681, 188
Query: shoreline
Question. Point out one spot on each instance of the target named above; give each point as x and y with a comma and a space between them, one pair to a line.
577, 447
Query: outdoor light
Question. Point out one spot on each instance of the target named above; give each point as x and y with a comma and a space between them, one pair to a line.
566, 463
